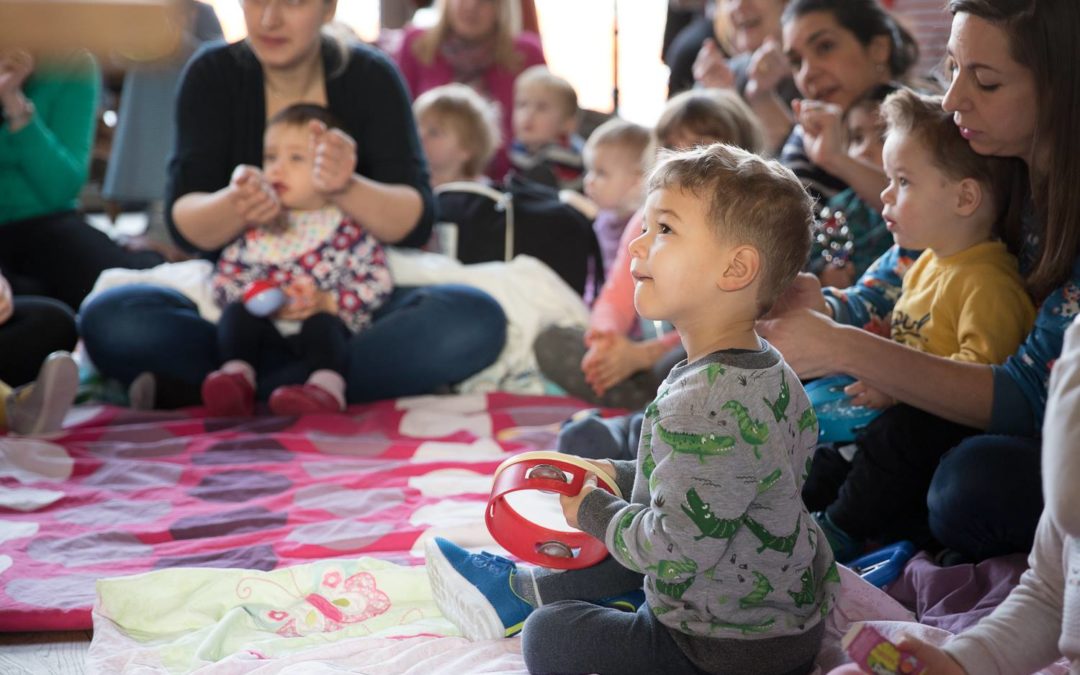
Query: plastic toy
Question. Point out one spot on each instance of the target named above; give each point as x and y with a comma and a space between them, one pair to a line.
549, 472
884, 565
263, 298
834, 237
838, 419
877, 654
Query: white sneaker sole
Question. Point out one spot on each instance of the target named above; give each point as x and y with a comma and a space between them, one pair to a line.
459, 600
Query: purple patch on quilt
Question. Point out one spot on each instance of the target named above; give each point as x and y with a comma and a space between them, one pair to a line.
250, 425
260, 557
221, 523
340, 535
344, 502
239, 486
256, 450
69, 591
368, 445
126, 476
331, 468
115, 511
91, 548
169, 447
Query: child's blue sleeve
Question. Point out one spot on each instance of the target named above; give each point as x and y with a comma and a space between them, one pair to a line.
869, 303
1021, 383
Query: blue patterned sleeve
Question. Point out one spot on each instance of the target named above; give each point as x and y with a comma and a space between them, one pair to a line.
1021, 383
869, 303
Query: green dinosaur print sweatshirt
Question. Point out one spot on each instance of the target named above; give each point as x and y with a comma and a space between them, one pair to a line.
716, 522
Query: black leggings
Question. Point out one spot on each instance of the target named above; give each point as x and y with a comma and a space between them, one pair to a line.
37, 327
322, 343
60, 256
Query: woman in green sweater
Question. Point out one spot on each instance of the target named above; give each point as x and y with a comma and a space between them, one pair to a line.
46, 133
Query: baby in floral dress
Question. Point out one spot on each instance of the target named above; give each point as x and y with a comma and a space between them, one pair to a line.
333, 273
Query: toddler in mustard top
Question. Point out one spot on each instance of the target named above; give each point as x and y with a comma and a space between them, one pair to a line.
963, 299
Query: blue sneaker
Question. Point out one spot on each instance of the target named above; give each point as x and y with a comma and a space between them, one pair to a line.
627, 602
473, 590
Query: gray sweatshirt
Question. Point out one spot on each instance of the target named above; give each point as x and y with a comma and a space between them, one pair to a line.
716, 521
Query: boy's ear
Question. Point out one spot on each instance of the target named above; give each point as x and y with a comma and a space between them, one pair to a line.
969, 196
740, 268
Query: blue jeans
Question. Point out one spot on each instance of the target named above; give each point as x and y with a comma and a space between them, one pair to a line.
986, 496
421, 339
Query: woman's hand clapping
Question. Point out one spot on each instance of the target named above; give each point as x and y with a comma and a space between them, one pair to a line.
823, 128
335, 159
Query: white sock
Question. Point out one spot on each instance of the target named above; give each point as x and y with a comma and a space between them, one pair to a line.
241, 367
331, 382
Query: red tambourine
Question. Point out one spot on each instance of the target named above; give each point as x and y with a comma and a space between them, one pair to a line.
550, 472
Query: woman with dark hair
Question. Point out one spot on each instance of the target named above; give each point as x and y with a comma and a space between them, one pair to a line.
984, 495
372, 170
839, 50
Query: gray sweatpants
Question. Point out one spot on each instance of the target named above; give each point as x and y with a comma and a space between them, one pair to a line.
574, 636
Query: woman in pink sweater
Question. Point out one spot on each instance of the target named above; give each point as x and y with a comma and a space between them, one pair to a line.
473, 43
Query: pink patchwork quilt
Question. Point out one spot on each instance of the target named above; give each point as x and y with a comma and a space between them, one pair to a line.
120, 492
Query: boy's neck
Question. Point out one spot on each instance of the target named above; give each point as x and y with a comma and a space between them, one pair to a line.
703, 338
968, 232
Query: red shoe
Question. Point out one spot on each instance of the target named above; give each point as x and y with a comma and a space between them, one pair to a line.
228, 395
301, 399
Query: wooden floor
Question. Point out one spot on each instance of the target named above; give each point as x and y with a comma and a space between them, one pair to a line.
44, 653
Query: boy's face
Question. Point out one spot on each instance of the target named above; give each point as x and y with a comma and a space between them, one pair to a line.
919, 198
539, 117
676, 259
866, 134
288, 162
613, 178
442, 145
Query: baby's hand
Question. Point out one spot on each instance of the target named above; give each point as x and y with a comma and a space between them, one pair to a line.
303, 300
604, 368
868, 397
570, 505
252, 197
936, 660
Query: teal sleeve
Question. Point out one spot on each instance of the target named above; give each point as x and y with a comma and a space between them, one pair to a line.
54, 148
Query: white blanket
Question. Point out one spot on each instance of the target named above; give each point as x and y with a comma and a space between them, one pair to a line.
530, 293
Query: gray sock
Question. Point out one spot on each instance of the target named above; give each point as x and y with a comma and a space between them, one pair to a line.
538, 586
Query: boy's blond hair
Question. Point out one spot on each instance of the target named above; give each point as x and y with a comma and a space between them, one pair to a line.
634, 139
552, 83
719, 114
748, 200
471, 117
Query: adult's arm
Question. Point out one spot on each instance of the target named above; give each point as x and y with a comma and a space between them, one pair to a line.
198, 194
1021, 635
53, 148
390, 192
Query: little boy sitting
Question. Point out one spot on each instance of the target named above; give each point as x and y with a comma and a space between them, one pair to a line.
962, 299
737, 576
546, 147
459, 133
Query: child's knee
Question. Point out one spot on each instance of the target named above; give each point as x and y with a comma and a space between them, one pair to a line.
543, 638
